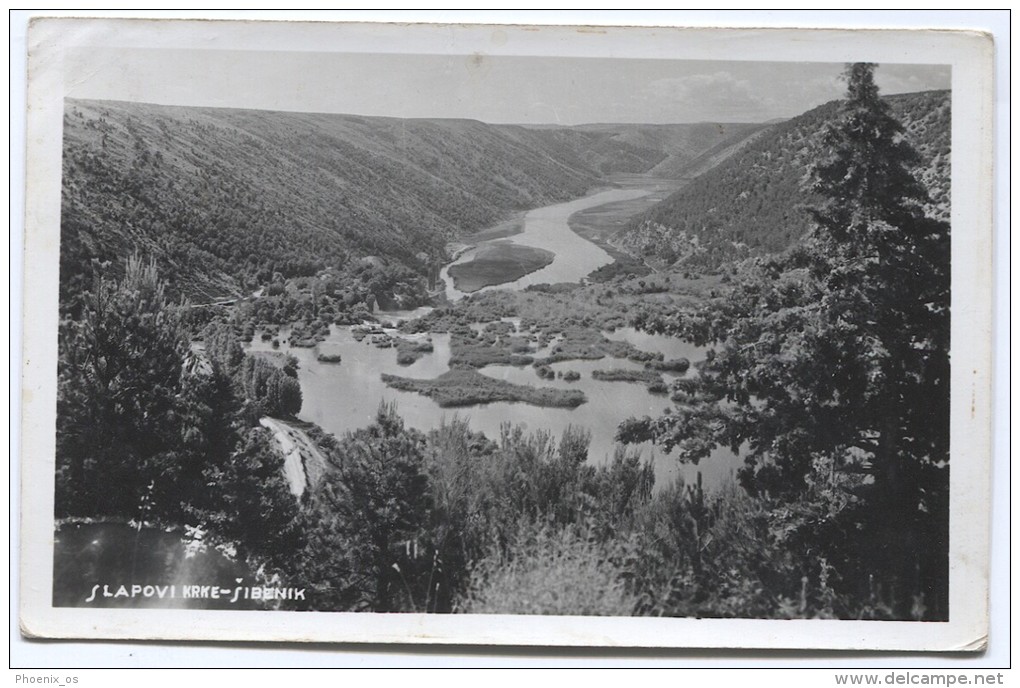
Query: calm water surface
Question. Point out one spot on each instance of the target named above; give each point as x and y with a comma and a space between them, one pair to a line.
342, 397
114, 554
547, 228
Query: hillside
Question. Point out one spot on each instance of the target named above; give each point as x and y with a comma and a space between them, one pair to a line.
753, 198
224, 199
673, 147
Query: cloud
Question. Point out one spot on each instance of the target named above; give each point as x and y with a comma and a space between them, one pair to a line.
909, 78
716, 96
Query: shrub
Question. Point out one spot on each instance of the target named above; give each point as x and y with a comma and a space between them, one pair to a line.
658, 387
549, 570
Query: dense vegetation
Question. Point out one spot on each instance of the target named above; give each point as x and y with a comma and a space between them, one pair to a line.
400, 520
830, 364
153, 431
755, 201
627, 375
452, 521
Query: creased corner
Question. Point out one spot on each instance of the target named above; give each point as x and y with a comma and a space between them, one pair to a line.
978, 644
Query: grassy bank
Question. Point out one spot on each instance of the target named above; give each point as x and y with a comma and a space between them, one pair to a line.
468, 387
599, 225
507, 228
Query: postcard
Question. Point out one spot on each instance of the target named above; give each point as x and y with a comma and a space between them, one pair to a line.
507, 335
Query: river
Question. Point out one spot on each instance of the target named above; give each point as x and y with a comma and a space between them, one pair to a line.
342, 397
547, 228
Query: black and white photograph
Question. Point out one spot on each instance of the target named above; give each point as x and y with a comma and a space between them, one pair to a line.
608, 331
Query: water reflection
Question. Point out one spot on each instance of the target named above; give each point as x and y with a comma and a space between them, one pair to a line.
86, 555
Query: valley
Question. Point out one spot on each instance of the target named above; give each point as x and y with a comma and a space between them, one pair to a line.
227, 199
549, 366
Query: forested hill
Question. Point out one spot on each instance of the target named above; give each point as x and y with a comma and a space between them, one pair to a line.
223, 198
754, 200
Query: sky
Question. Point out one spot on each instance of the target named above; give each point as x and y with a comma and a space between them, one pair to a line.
495, 89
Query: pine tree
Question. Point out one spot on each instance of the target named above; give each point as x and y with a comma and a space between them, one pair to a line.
888, 264
120, 372
250, 503
829, 371
882, 253
368, 536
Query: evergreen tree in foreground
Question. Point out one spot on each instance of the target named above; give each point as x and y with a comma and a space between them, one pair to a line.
120, 373
146, 431
830, 372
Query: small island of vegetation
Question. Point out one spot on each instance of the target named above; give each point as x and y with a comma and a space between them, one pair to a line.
678, 366
409, 351
327, 353
468, 387
498, 263
625, 375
